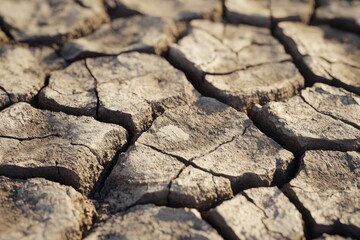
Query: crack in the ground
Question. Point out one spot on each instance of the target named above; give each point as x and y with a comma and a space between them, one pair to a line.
99, 185
335, 82
291, 48
207, 90
223, 8
187, 162
58, 169
55, 135
35, 102
221, 40
217, 147
309, 221
337, 228
4, 90
248, 67
95, 89
30, 138
5, 27
292, 170
181, 159
190, 162
221, 144
273, 23
264, 213
334, 62
171, 182
329, 115
225, 231
270, 133
297, 58
251, 44
9, 97
315, 4
81, 4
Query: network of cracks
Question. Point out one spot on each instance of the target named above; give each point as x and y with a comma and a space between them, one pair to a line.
207, 119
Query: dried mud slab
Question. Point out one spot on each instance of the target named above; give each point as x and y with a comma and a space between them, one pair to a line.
253, 12
156, 223
292, 10
21, 76
262, 84
325, 54
335, 102
141, 175
59, 147
340, 14
133, 88
257, 214
220, 61
218, 48
326, 190
210, 135
175, 9
129, 89
24, 71
198, 189
71, 90
137, 33
39, 209
49, 21
299, 127
144, 175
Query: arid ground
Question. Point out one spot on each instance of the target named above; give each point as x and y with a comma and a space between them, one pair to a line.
179, 119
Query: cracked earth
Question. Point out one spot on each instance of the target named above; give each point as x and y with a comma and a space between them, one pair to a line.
182, 119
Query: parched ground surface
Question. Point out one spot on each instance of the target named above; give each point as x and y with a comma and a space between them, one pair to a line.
181, 119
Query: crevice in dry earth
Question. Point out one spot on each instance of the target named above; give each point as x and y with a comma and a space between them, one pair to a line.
264, 213
30, 138
315, 4
219, 224
223, 9
189, 162
35, 102
95, 90
9, 97
80, 3
98, 186
329, 115
291, 49
170, 184
314, 230
248, 67
270, 133
256, 181
5, 27
4, 90
291, 171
